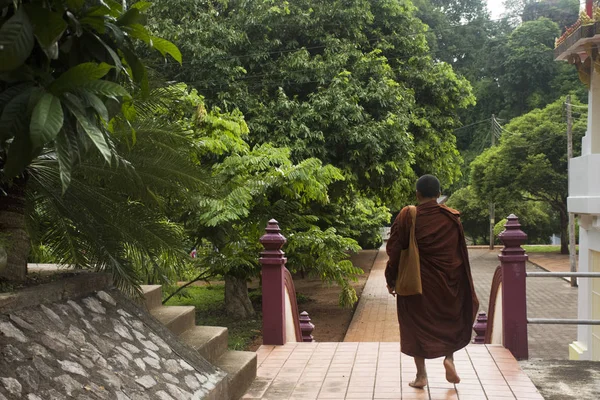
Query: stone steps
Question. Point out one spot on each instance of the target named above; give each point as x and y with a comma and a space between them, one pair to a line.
241, 369
209, 341
177, 318
152, 296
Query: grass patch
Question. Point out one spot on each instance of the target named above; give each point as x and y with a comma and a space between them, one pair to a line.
210, 310
543, 249
302, 298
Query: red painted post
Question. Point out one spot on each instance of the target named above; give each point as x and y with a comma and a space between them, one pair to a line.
589, 8
514, 297
273, 285
480, 327
306, 327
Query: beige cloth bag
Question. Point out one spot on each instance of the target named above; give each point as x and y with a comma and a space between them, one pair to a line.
408, 281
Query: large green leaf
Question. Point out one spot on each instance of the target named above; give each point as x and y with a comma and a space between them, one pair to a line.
132, 16
75, 5
116, 7
105, 88
46, 120
140, 75
115, 57
116, 33
98, 11
165, 47
140, 32
96, 23
92, 130
16, 41
14, 115
10, 93
48, 26
142, 5
79, 75
66, 158
93, 101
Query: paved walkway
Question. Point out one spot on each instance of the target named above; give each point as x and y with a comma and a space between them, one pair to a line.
377, 371
552, 262
375, 318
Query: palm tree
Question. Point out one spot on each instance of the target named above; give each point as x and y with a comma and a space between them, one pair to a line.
114, 218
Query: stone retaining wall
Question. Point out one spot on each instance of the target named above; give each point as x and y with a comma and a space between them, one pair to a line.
97, 346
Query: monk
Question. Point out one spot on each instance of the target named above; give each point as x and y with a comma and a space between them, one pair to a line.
437, 322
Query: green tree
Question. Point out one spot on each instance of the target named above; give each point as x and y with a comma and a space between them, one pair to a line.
530, 163
525, 78
563, 12
474, 214
250, 185
536, 218
458, 32
61, 68
529, 67
350, 83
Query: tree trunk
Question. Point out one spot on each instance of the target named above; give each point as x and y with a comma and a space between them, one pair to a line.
237, 302
564, 232
12, 228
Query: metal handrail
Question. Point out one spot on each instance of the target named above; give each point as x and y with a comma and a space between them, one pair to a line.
562, 321
562, 274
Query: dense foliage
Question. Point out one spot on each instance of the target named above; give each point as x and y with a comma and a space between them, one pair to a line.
66, 69
60, 63
350, 83
536, 218
319, 113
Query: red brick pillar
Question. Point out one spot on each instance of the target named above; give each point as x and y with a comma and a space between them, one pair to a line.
273, 285
514, 298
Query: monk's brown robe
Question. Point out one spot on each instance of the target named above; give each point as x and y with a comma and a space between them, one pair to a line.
438, 322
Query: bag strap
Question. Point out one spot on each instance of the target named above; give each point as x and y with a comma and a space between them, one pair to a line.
413, 214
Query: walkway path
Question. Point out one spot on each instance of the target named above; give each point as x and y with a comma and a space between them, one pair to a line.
369, 365
375, 318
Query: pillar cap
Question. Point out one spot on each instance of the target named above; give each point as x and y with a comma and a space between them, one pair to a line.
512, 236
273, 239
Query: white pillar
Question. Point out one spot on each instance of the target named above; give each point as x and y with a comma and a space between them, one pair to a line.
584, 200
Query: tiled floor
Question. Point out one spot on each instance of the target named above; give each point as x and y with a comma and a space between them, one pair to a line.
361, 371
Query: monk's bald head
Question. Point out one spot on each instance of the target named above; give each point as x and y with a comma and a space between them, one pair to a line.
428, 186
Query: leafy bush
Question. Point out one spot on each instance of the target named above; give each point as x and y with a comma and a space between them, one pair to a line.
62, 65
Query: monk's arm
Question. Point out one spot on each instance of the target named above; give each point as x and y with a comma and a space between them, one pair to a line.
393, 249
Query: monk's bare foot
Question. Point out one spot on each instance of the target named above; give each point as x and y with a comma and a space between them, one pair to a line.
419, 383
451, 375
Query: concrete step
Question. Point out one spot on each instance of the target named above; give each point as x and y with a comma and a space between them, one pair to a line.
209, 341
177, 318
152, 296
241, 371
